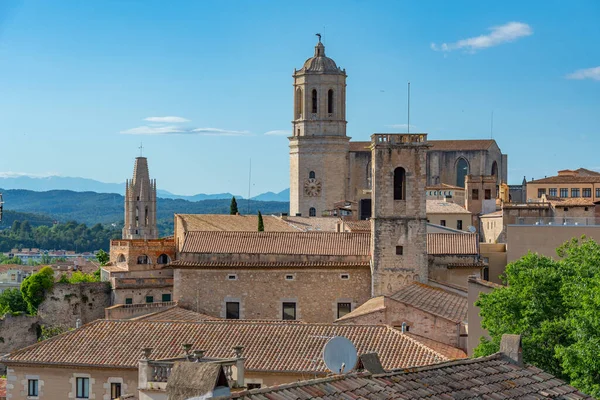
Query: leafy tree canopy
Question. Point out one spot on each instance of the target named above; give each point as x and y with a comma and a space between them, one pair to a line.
102, 257
12, 302
554, 305
35, 286
261, 225
233, 208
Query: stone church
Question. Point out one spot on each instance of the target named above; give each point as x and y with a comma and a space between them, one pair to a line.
331, 175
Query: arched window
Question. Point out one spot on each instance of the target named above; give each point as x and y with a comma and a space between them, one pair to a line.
494, 168
314, 101
146, 216
121, 258
143, 259
298, 103
312, 212
330, 101
399, 184
163, 259
369, 175
462, 170
311, 175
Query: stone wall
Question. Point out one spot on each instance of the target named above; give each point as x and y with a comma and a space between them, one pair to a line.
68, 302
17, 332
128, 311
454, 275
261, 292
125, 253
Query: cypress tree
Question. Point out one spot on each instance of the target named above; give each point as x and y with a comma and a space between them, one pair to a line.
261, 226
233, 210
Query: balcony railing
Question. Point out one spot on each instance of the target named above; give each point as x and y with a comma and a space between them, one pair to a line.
557, 221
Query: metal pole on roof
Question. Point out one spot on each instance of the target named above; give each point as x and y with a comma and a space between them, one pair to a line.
249, 184
408, 125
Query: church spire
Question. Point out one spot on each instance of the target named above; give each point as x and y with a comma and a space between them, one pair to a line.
140, 203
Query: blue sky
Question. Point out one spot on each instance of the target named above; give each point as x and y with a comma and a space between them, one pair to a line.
79, 79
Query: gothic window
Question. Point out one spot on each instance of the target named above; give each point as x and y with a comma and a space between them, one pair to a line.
462, 170
143, 259
311, 175
121, 258
399, 184
330, 101
298, 103
314, 101
146, 215
312, 212
163, 259
494, 168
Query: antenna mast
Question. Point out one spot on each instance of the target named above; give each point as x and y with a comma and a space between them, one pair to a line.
249, 183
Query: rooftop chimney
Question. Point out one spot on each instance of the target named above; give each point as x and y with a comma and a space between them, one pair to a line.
510, 346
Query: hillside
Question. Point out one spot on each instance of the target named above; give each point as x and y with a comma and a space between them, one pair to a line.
107, 208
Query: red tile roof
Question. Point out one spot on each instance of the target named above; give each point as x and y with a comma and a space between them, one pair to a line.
180, 264
303, 243
492, 377
268, 346
568, 179
452, 243
457, 145
176, 314
434, 300
225, 222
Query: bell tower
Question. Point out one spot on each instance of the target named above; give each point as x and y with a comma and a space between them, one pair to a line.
140, 203
318, 145
399, 221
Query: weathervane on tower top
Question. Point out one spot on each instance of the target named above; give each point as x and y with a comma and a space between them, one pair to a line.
319, 36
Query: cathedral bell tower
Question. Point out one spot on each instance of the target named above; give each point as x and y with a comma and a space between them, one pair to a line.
318, 145
140, 203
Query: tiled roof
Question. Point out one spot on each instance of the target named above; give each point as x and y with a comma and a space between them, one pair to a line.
268, 346
303, 243
180, 264
358, 226
434, 301
451, 243
444, 186
360, 146
585, 171
444, 207
571, 202
372, 305
457, 145
305, 224
224, 222
176, 314
492, 377
492, 214
568, 179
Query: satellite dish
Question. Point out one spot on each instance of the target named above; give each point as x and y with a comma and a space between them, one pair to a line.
340, 355
472, 229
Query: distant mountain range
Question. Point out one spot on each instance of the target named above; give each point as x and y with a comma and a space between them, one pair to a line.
42, 184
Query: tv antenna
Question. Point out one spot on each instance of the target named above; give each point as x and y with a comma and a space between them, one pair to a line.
339, 355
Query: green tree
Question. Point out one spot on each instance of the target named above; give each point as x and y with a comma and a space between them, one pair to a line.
45, 259
102, 257
261, 226
554, 305
233, 208
11, 301
35, 286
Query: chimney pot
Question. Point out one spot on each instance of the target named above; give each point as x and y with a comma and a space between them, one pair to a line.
510, 346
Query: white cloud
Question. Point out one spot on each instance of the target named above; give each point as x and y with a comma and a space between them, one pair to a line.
499, 34
12, 174
176, 130
168, 120
588, 73
279, 133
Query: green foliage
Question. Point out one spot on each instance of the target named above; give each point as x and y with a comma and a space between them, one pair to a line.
102, 257
554, 305
12, 302
10, 260
261, 225
233, 208
78, 277
35, 286
67, 236
46, 332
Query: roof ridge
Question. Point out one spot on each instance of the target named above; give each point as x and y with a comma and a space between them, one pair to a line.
418, 343
442, 364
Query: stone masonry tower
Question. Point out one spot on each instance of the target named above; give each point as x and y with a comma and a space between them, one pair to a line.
140, 203
318, 145
398, 222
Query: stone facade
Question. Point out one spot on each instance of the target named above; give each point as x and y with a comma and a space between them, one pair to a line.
140, 204
399, 222
17, 332
261, 292
59, 383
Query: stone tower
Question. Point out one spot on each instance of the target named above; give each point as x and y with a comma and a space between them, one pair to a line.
140, 203
399, 221
318, 145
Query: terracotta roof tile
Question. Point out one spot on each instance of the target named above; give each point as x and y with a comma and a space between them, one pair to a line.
358, 226
492, 377
224, 222
451, 243
118, 344
568, 179
275, 264
303, 243
571, 202
444, 207
433, 300
176, 314
457, 145
305, 224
